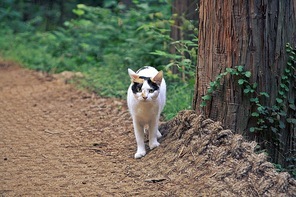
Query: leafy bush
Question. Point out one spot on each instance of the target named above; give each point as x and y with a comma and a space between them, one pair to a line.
103, 43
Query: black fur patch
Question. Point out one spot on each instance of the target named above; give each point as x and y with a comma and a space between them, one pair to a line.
153, 85
137, 87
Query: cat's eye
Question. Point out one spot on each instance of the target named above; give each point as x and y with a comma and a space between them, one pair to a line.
138, 89
151, 91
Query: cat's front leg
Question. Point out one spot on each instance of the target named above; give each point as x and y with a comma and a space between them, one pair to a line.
139, 134
159, 135
153, 135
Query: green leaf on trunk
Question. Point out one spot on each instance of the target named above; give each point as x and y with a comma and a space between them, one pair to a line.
278, 100
291, 120
248, 74
255, 114
206, 97
264, 94
240, 68
241, 81
252, 129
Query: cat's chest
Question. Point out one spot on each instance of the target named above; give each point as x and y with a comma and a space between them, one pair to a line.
145, 111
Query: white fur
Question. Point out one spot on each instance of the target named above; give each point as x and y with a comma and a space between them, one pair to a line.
145, 108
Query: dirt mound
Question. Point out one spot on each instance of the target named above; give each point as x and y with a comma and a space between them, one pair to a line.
212, 161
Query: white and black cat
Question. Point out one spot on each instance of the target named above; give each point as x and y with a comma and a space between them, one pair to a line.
146, 99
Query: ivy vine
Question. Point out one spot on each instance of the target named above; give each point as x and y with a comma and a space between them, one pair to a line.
266, 116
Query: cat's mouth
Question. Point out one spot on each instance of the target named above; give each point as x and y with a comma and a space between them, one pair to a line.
145, 100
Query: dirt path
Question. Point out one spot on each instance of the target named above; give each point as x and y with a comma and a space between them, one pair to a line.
58, 141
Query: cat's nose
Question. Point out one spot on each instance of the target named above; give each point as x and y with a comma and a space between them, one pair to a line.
144, 95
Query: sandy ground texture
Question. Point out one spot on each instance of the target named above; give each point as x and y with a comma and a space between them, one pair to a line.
56, 140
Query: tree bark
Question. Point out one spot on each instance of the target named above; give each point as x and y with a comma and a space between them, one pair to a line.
251, 33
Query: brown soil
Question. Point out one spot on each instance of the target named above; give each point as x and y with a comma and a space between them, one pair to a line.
59, 141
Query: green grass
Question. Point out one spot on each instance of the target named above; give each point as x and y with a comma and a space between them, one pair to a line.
179, 97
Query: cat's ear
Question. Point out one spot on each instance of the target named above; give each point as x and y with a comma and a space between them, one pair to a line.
134, 77
157, 78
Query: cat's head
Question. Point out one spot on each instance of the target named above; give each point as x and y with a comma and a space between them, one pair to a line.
145, 88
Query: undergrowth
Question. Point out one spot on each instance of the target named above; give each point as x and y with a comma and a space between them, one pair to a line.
102, 43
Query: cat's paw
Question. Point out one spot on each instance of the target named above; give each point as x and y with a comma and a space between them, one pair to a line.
140, 154
153, 145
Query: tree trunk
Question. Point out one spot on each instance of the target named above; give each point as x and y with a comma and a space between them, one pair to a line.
250, 33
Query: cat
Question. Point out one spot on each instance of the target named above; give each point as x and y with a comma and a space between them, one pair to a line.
146, 97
